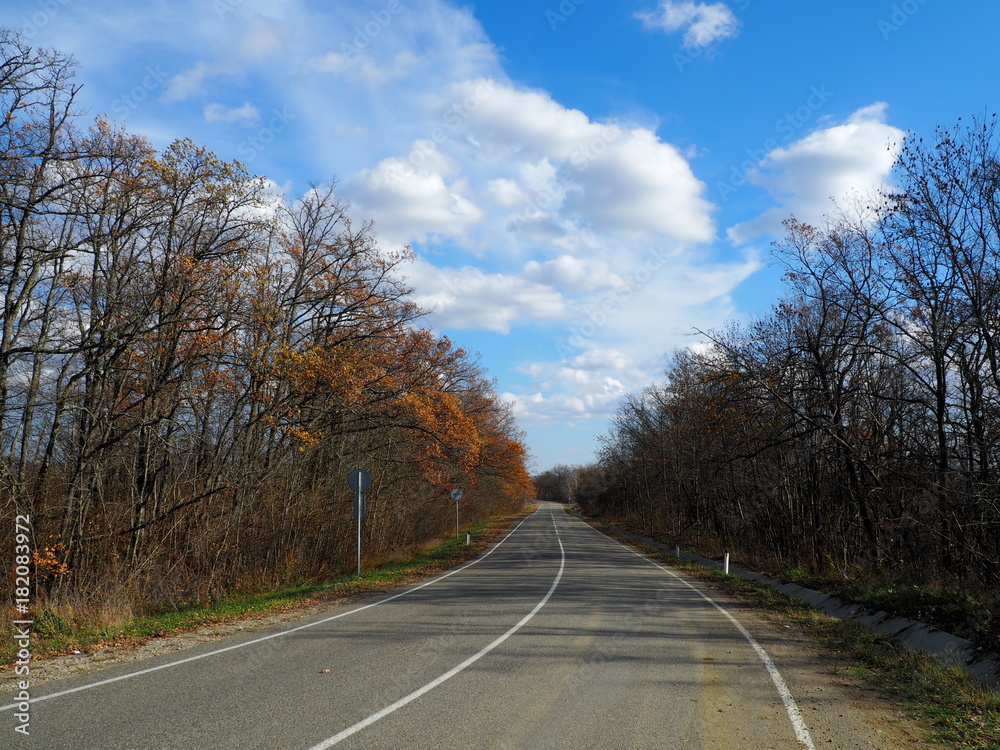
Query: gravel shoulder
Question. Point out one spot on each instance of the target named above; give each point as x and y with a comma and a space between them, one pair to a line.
828, 696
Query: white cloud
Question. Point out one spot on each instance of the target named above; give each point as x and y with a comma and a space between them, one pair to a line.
257, 44
827, 166
263, 40
471, 299
530, 216
506, 121
189, 83
547, 175
576, 275
561, 213
615, 340
247, 114
606, 177
641, 185
598, 399
412, 198
364, 70
590, 385
537, 218
504, 192
705, 24
532, 227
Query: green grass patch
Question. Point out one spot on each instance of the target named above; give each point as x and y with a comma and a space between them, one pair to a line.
956, 709
945, 609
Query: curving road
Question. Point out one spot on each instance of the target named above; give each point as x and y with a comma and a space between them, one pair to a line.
557, 638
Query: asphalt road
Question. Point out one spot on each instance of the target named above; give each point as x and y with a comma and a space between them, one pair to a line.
556, 638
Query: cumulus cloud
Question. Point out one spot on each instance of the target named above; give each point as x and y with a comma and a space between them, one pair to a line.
504, 192
830, 165
640, 184
247, 114
590, 385
576, 275
532, 227
571, 168
536, 172
594, 399
470, 298
704, 24
409, 202
562, 213
615, 339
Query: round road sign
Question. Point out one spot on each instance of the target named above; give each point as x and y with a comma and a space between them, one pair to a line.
359, 480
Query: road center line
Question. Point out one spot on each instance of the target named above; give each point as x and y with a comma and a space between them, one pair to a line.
791, 707
454, 670
108, 681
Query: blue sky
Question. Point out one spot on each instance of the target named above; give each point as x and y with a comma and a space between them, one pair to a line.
585, 183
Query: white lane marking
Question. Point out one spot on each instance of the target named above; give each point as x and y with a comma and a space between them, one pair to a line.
791, 707
90, 685
453, 671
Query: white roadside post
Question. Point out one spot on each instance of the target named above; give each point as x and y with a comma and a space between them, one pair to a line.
456, 495
359, 481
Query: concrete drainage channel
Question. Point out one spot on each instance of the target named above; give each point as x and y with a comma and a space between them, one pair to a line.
949, 649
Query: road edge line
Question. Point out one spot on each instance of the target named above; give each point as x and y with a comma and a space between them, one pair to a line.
791, 707
198, 657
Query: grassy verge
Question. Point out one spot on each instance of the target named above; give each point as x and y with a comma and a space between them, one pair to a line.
956, 709
948, 610
55, 634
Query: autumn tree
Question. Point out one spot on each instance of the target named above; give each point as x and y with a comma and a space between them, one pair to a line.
852, 430
191, 364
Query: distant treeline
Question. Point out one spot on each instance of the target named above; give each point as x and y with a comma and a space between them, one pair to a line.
855, 430
191, 365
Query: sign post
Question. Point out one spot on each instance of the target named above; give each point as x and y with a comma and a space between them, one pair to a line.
359, 481
456, 495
